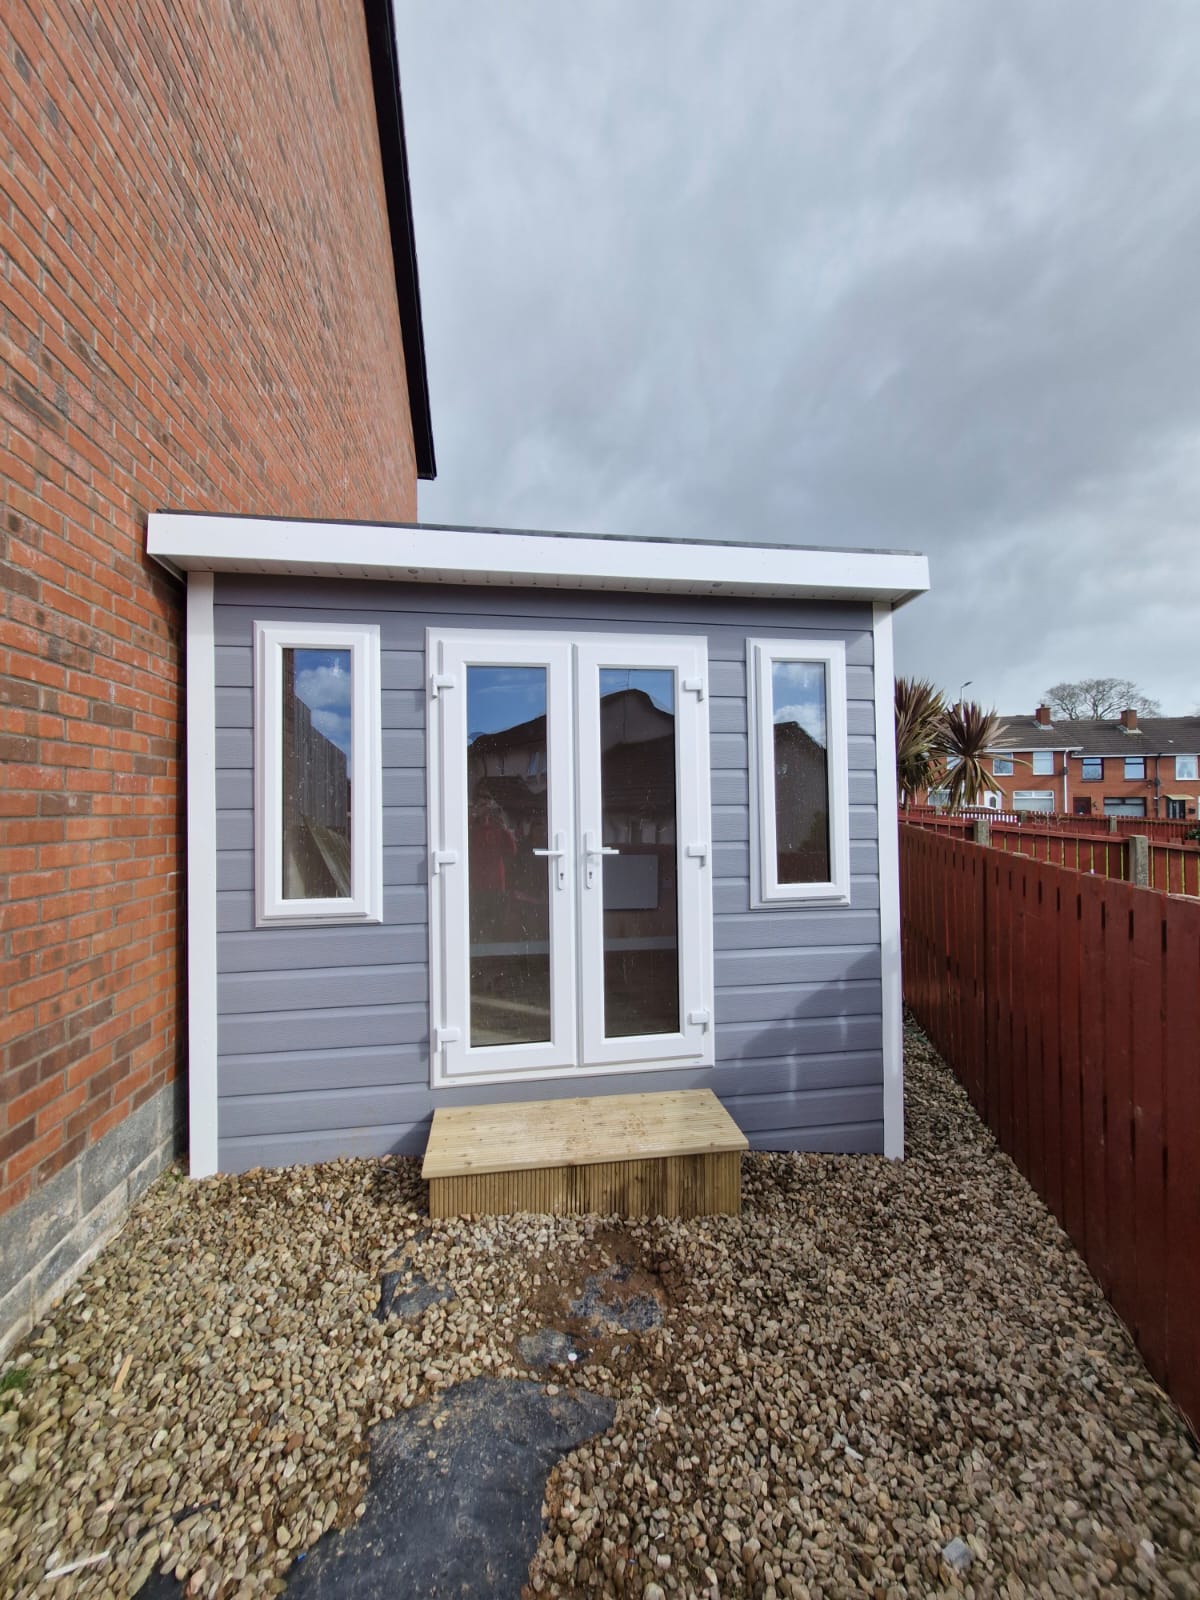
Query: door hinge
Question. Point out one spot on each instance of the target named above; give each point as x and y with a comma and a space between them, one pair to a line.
699, 851
444, 858
439, 681
444, 1036
695, 686
700, 1018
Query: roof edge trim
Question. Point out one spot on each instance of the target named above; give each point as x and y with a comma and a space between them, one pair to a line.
385, 75
185, 542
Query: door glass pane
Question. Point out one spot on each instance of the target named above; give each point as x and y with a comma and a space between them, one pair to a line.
637, 796
508, 886
798, 704
316, 774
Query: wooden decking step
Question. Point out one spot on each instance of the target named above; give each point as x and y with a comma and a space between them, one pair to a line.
632, 1155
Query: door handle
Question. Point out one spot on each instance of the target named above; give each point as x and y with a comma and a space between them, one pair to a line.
592, 853
558, 854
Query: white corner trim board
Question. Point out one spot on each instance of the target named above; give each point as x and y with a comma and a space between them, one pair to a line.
415, 554
201, 876
889, 886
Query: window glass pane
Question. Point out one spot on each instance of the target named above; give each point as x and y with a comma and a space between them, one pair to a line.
1135, 766
1124, 806
1093, 769
316, 774
1043, 762
1185, 767
508, 887
1002, 766
801, 741
641, 904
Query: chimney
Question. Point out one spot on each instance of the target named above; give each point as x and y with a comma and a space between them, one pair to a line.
1043, 716
1129, 720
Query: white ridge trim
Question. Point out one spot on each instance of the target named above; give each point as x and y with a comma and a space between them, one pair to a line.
411, 553
201, 877
889, 886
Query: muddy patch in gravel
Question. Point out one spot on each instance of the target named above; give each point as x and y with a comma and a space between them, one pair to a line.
605, 1304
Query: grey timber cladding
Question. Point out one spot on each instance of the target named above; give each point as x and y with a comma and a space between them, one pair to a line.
323, 1033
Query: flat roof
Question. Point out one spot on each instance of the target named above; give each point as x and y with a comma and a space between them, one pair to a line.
510, 558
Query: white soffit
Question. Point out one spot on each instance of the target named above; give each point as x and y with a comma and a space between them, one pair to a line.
412, 553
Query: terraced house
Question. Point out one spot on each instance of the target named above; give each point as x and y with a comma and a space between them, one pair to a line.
209, 300
1129, 766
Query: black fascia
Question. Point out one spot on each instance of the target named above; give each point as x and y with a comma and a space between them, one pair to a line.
385, 74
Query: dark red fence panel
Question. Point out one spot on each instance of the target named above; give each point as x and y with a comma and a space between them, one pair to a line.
1069, 1006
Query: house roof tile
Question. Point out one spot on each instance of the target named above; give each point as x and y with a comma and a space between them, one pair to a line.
1102, 736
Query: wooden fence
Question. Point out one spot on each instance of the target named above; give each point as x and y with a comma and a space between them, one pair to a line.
1164, 830
1173, 868
1069, 1007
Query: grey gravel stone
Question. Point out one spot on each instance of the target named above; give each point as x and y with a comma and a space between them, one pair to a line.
957, 1555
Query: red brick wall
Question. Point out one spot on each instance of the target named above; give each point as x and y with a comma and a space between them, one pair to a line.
197, 311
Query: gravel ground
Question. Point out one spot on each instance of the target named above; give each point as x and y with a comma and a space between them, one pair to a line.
875, 1359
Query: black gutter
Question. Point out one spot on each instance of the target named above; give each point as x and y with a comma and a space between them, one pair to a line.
385, 74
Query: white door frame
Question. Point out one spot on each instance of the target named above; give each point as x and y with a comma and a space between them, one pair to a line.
578, 1047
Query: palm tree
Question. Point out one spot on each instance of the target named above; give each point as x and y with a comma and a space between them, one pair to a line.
967, 733
920, 745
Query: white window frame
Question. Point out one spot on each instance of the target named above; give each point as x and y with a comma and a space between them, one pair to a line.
365, 902
578, 1047
765, 888
1091, 777
1133, 777
1032, 794
1190, 770
1002, 766
1042, 764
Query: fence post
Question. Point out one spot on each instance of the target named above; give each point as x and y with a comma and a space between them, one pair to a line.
981, 831
1113, 826
1139, 860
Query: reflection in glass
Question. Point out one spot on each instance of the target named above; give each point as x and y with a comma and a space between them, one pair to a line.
316, 774
641, 910
798, 695
508, 887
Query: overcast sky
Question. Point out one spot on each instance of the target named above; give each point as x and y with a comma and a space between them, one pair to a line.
915, 276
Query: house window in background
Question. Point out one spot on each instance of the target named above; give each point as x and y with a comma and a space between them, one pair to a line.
1043, 763
1093, 769
1122, 805
318, 774
800, 811
1177, 808
1033, 800
1135, 767
1002, 766
1186, 768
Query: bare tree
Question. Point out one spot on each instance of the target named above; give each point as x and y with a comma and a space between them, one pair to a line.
1099, 697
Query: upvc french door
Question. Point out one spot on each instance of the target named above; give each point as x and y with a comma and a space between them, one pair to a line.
571, 861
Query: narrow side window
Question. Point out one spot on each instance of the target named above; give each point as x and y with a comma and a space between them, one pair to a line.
318, 777
801, 818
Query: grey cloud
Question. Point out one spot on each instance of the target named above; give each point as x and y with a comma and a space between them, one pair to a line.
858, 274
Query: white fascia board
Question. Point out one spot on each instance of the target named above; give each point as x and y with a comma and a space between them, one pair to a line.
410, 553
